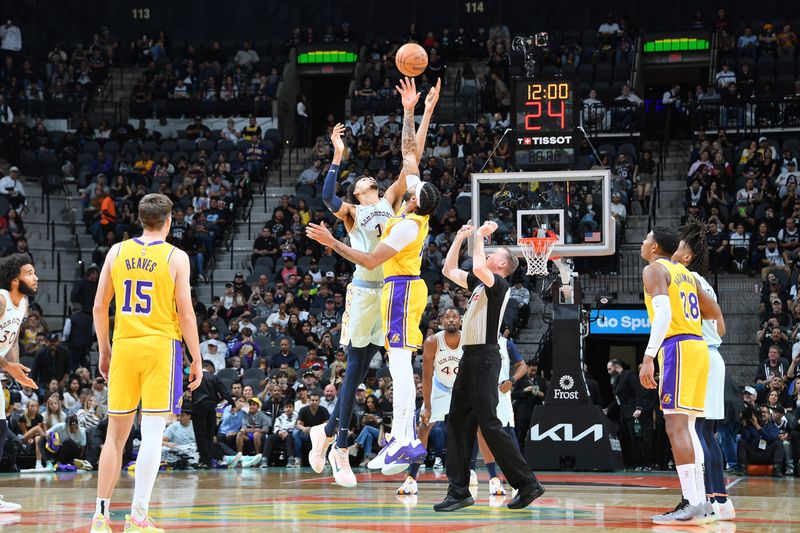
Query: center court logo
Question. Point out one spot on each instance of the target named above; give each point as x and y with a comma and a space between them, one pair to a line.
564, 391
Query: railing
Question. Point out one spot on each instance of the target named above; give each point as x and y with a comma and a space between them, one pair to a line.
628, 280
746, 115
178, 108
618, 117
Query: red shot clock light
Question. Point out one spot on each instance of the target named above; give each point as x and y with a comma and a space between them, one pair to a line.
544, 121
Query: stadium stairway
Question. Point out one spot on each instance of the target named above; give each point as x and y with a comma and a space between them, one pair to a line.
738, 294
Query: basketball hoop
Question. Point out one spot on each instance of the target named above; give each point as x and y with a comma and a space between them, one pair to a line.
537, 252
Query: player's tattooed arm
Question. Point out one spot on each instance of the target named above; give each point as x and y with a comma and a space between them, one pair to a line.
12, 356
407, 89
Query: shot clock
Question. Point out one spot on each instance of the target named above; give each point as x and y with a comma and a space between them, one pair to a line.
544, 123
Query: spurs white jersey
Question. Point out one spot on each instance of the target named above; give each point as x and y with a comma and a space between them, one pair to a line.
10, 322
369, 225
709, 327
446, 361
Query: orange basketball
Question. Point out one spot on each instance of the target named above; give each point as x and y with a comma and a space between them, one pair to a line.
411, 59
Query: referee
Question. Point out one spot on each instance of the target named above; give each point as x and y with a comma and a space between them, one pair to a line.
474, 400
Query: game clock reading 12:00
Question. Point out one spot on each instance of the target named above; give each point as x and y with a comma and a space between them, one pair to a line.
544, 123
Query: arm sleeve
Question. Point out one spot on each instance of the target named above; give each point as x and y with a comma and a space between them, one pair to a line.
662, 316
513, 353
403, 233
329, 198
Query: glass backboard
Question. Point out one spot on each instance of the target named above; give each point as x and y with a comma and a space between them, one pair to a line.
573, 204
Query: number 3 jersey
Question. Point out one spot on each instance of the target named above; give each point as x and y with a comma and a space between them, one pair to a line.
144, 291
10, 322
684, 302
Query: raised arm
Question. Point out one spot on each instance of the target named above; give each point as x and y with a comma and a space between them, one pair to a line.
369, 260
342, 210
479, 267
430, 105
428, 355
186, 318
408, 144
450, 269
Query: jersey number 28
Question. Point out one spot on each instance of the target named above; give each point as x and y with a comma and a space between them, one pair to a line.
691, 306
140, 290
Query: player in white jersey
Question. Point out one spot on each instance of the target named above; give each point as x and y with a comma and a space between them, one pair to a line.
362, 326
441, 355
18, 281
693, 254
509, 357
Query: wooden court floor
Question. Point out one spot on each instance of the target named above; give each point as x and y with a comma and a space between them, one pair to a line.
299, 500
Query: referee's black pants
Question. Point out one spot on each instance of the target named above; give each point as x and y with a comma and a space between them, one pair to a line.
472, 405
204, 422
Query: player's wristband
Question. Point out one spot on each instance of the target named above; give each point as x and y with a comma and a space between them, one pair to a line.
513, 381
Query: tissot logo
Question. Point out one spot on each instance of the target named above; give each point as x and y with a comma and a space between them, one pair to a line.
565, 433
545, 141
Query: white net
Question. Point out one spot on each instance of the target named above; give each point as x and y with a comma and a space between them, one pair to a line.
537, 252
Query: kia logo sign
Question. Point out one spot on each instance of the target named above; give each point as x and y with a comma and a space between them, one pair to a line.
619, 322
565, 433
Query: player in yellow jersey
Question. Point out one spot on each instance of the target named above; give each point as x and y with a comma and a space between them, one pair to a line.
676, 308
403, 301
149, 281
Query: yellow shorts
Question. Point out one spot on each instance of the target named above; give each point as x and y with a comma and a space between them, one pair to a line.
146, 369
402, 303
683, 360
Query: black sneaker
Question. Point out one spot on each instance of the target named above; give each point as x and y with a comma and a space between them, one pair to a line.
526, 495
451, 503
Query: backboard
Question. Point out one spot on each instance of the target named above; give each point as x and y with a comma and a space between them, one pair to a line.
573, 204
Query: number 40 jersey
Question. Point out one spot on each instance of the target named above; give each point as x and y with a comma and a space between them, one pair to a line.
144, 290
684, 303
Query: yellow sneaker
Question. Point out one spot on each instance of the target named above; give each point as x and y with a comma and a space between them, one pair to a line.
101, 524
145, 526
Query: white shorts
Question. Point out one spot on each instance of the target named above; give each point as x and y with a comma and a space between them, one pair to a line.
362, 321
440, 404
3, 403
505, 412
715, 390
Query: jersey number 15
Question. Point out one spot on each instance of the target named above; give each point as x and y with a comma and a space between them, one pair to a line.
141, 291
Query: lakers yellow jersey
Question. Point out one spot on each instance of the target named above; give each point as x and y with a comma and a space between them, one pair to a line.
144, 291
408, 261
684, 302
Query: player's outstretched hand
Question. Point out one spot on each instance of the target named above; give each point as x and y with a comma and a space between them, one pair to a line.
320, 233
487, 228
19, 372
408, 93
465, 231
195, 375
336, 138
433, 95
646, 374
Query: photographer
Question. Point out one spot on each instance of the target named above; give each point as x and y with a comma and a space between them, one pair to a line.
758, 442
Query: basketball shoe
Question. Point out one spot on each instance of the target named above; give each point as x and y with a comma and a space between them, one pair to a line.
409, 486
496, 487
8, 507
145, 526
101, 524
319, 446
378, 461
340, 464
683, 514
404, 456
724, 511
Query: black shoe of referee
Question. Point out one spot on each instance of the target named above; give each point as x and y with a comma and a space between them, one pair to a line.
526, 495
451, 503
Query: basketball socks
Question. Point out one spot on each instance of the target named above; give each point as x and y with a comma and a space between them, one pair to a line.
147, 464
404, 393
102, 507
715, 475
492, 468
688, 484
699, 458
357, 367
414, 469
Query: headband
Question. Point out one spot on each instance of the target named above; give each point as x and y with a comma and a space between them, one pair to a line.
418, 189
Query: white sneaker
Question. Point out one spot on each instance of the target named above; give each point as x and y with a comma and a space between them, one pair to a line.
340, 464
378, 462
724, 511
233, 460
8, 507
438, 463
409, 486
473, 478
80, 464
496, 487
319, 446
293, 463
250, 462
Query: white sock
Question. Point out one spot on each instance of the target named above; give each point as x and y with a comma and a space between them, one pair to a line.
102, 507
404, 393
147, 464
699, 459
688, 483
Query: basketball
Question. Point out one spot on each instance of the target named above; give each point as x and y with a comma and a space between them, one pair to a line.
411, 59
